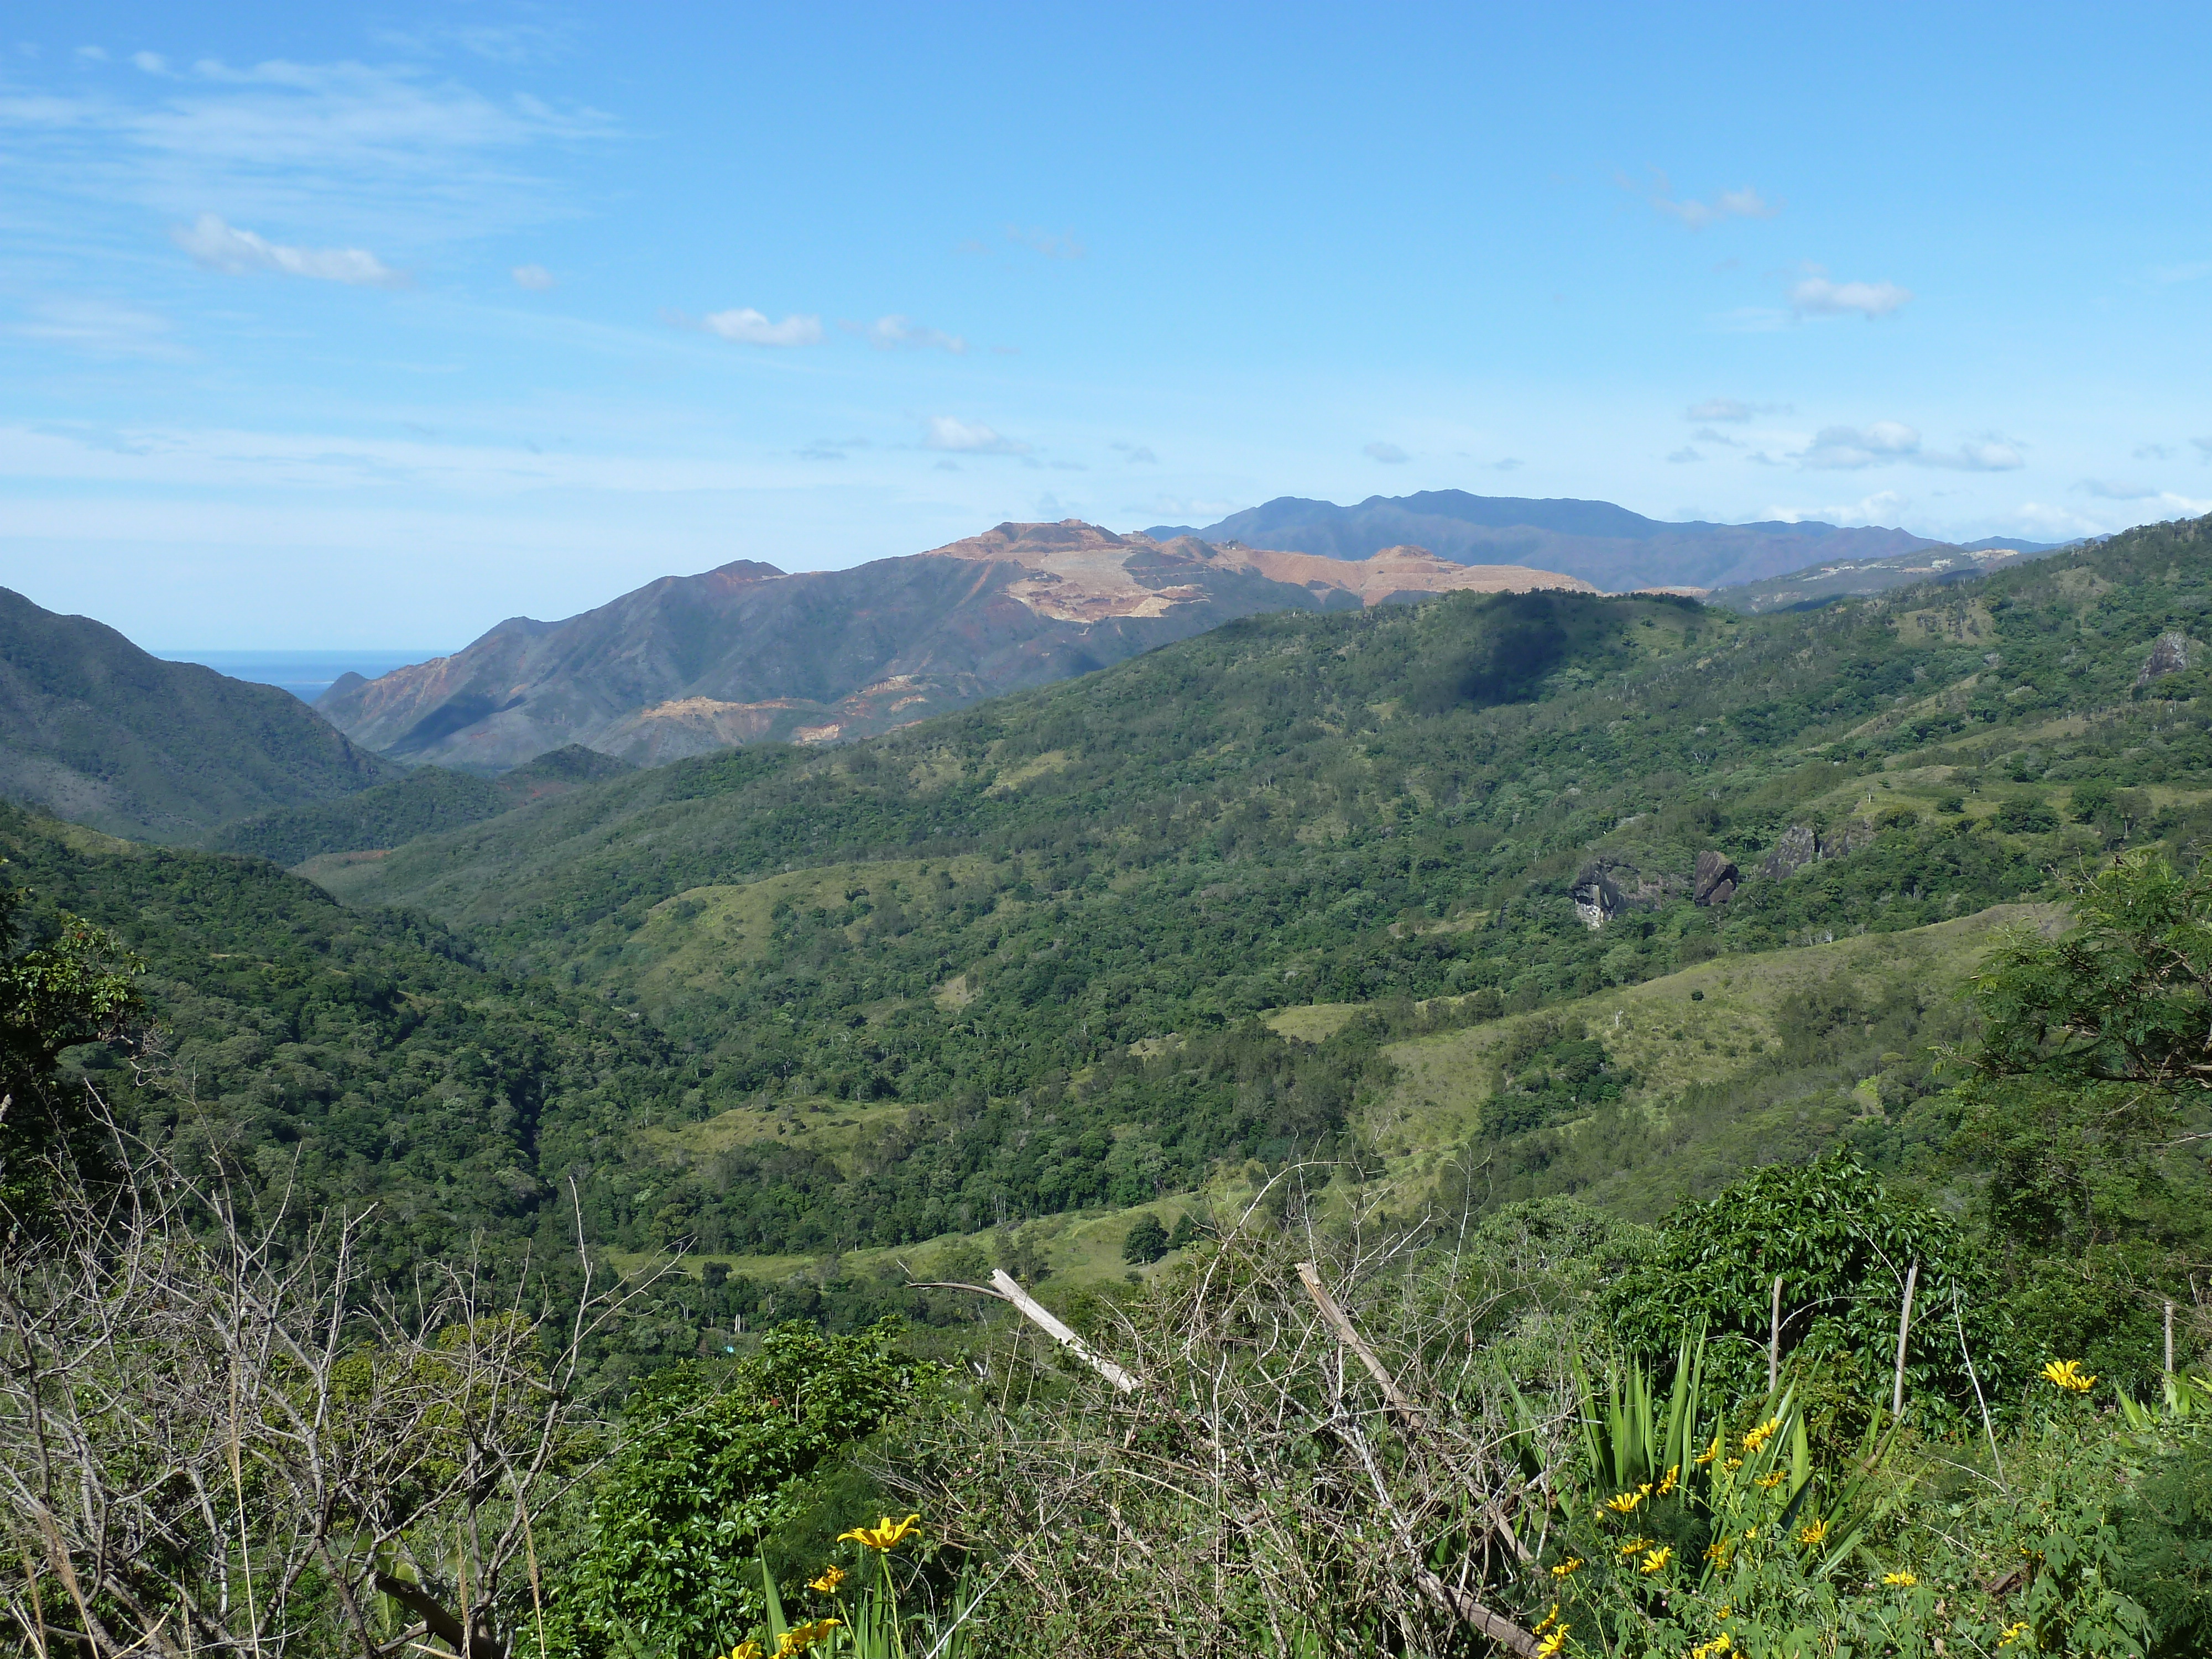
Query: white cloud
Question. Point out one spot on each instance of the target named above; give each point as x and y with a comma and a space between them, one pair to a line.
1511, 464
1685, 454
152, 61
1064, 246
220, 247
1719, 408
100, 328
93, 54
1844, 448
1867, 510
1136, 454
1816, 296
1744, 204
1705, 434
746, 326
2108, 490
536, 278
2203, 446
1848, 447
889, 333
968, 438
1989, 454
2153, 453
1389, 453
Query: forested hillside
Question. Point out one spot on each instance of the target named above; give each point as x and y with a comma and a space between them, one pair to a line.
96, 730
1010, 961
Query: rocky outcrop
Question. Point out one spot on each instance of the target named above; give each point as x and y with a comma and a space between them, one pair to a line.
1715, 882
1605, 887
2172, 654
1801, 845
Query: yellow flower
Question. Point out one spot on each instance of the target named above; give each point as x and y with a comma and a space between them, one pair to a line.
1656, 1559
1813, 1532
746, 1651
799, 1637
1551, 1644
1768, 1482
1568, 1568
1624, 1502
1903, 1580
2066, 1375
1727, 1611
1671, 1481
1721, 1551
1549, 1619
2012, 1633
889, 1535
1754, 1439
1733, 1465
828, 1583
1634, 1544
1713, 1649
1709, 1452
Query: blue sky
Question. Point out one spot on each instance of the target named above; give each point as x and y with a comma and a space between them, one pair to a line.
335, 326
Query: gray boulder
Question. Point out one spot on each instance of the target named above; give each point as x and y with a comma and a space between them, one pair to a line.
1798, 847
1716, 880
2172, 654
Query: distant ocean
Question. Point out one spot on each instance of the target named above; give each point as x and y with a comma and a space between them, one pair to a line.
306, 674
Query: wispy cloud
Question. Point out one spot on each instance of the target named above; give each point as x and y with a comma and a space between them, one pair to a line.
1705, 434
1062, 246
1685, 454
1743, 204
1734, 409
1885, 443
1816, 296
217, 245
2188, 273
413, 156
536, 278
1136, 454
1989, 454
98, 328
2203, 447
745, 326
2153, 453
1867, 510
969, 438
151, 62
2109, 489
1389, 453
890, 333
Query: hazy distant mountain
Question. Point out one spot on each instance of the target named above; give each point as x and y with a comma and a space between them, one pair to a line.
1838, 578
94, 730
746, 652
1606, 545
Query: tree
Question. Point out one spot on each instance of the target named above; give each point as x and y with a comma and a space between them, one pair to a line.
1147, 1243
713, 1458
2090, 1092
77, 986
1844, 1247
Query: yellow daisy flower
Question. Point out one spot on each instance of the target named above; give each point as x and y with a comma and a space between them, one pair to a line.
889, 1535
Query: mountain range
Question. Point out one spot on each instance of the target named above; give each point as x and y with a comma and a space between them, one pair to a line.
1605, 546
747, 652
97, 730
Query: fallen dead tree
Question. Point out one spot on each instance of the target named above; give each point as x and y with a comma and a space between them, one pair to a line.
1291, 1444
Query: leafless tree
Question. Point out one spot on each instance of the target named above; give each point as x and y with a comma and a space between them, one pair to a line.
220, 1435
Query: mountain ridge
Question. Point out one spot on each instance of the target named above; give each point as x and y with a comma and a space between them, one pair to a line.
1605, 544
746, 652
